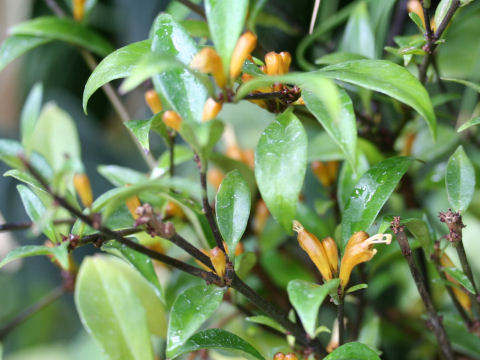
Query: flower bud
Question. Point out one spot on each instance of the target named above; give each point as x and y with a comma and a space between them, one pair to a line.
172, 119
172, 209
133, 203
211, 109
219, 261
279, 356
83, 188
204, 267
208, 61
291, 356
286, 61
234, 152
461, 296
78, 9
332, 168
245, 45
274, 63
331, 251
153, 101
415, 7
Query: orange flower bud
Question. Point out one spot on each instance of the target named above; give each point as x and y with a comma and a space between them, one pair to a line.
261, 216
291, 356
153, 101
359, 249
321, 172
415, 7
314, 249
215, 177
279, 356
234, 152
83, 188
208, 61
249, 157
205, 267
211, 109
331, 251
133, 203
407, 147
172, 119
246, 77
219, 261
78, 9
461, 296
245, 45
174, 210
274, 63
286, 61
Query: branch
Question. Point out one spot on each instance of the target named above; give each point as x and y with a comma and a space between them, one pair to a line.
29, 224
434, 320
194, 7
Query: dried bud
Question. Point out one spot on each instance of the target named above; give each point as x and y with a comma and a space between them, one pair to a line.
153, 101
78, 9
245, 45
211, 109
172, 119
133, 203
208, 61
219, 261
83, 188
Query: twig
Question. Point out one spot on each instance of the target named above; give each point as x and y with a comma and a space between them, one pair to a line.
341, 323
468, 271
264, 95
27, 313
29, 224
442, 86
172, 154
316, 6
56, 9
194, 7
434, 320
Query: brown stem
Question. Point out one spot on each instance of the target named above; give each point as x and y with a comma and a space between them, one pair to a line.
194, 7
434, 320
29, 224
341, 323
468, 271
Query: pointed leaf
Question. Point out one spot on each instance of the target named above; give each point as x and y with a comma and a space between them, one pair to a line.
267, 321
353, 350
469, 123
222, 340
280, 165
189, 311
358, 36
306, 298
141, 130
370, 194
120, 176
469, 84
232, 206
461, 278
30, 113
460, 180
17, 45
388, 78
60, 253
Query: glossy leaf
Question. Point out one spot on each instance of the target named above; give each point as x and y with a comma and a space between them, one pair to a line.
141, 130
370, 194
460, 180
10, 151
37, 212
60, 253
226, 19
343, 129
232, 207
118, 64
202, 137
353, 350
64, 29
120, 176
306, 298
356, 288
461, 278
30, 113
267, 321
441, 11
417, 20
189, 311
244, 263
280, 164
358, 36
111, 309
180, 89
347, 179
219, 339
338, 57
469, 123
469, 84
388, 78
421, 232
17, 45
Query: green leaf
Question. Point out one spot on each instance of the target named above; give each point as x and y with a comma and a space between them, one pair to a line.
10, 151
388, 78
181, 154
60, 253
460, 180
17, 45
421, 232
141, 130
120, 176
202, 137
118, 64
442, 10
226, 19
343, 129
469, 123
370, 194
244, 263
306, 298
338, 57
64, 29
358, 36
180, 89
232, 206
111, 307
417, 20
280, 165
347, 179
461, 278
189, 311
463, 340
30, 113
356, 288
37, 212
267, 321
219, 339
469, 84
353, 350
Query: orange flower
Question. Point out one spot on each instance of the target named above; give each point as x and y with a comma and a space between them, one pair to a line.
78, 9
172, 119
211, 109
83, 188
245, 45
208, 61
219, 261
174, 210
325, 172
133, 203
153, 101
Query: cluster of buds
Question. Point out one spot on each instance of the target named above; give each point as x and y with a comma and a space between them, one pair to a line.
324, 254
460, 295
282, 356
83, 189
325, 172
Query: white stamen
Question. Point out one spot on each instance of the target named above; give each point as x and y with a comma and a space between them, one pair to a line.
297, 227
380, 239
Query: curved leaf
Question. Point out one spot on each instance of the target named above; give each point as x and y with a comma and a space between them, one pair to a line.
64, 29
469, 84
461, 278
353, 350
17, 45
280, 165
118, 64
358, 36
30, 113
370, 194
460, 180
60, 253
469, 123
189, 311
388, 78
219, 339
232, 206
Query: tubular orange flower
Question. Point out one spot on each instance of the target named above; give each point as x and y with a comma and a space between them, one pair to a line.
245, 45
331, 251
133, 203
274, 63
83, 188
415, 7
359, 249
461, 296
211, 109
153, 101
219, 261
286, 61
314, 249
248, 156
78, 9
332, 167
208, 61
321, 172
205, 267
172, 119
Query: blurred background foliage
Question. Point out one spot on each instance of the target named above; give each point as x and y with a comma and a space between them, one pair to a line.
56, 333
